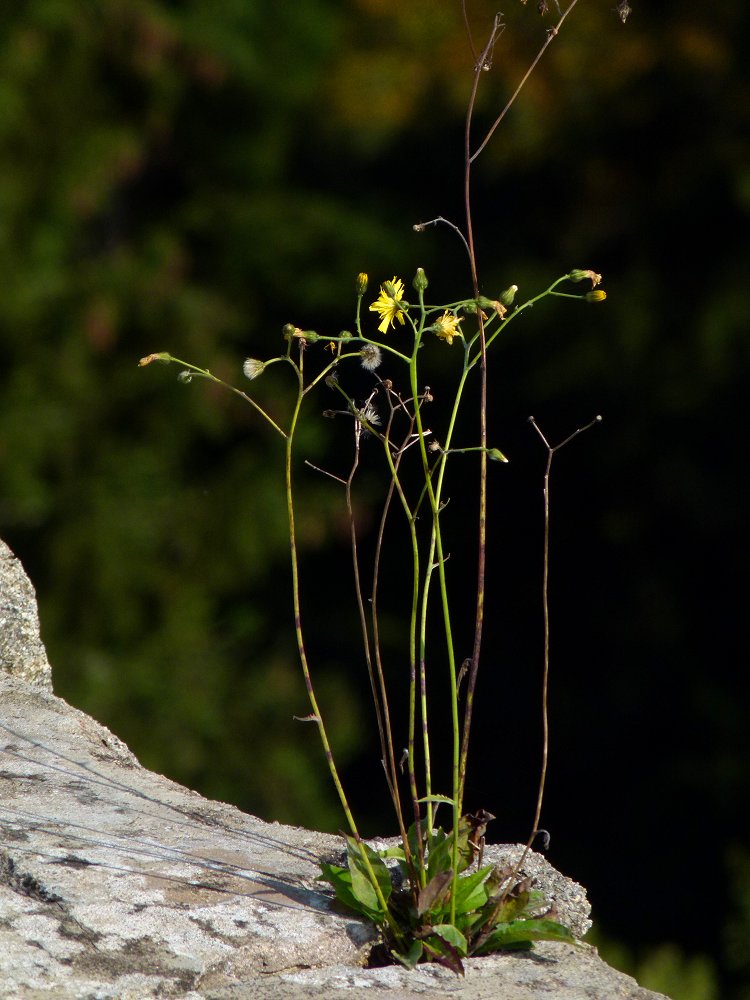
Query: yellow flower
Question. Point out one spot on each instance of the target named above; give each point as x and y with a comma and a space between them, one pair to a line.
447, 327
389, 304
599, 295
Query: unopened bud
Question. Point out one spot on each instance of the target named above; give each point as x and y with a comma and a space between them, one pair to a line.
507, 297
420, 280
580, 275
161, 356
361, 283
598, 295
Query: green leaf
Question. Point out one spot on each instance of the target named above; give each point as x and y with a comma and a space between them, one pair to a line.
415, 839
437, 798
440, 854
341, 880
516, 907
411, 957
471, 892
362, 884
441, 950
520, 932
397, 851
451, 934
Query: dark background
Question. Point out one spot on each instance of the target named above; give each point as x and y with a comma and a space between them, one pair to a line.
189, 177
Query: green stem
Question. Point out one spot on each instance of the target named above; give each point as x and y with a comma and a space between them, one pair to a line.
435, 508
205, 373
317, 716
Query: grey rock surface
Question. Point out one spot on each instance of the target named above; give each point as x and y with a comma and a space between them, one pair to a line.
22, 652
118, 884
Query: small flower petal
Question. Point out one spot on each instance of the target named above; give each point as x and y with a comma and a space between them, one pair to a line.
389, 304
447, 327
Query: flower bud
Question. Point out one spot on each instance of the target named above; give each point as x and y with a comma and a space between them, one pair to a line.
161, 356
508, 295
252, 368
361, 283
580, 275
598, 295
420, 281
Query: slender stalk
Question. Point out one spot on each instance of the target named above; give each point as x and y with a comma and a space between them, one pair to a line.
441, 559
482, 508
551, 34
393, 464
195, 371
551, 451
317, 716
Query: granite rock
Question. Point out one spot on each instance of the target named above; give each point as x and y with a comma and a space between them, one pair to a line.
22, 652
118, 884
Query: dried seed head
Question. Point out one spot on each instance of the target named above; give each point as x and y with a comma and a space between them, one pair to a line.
371, 357
623, 10
252, 368
368, 414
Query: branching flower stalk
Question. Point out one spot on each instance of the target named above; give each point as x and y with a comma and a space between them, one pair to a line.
450, 906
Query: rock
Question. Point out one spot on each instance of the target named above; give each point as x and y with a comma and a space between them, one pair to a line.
22, 652
118, 884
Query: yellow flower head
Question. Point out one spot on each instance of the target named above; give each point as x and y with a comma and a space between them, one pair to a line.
389, 304
447, 327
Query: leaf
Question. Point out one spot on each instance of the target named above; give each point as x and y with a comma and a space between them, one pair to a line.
437, 798
362, 884
471, 830
520, 932
471, 892
514, 908
411, 957
451, 934
341, 880
435, 891
397, 851
440, 854
443, 951
415, 839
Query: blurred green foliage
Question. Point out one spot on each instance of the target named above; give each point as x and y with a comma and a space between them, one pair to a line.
664, 969
188, 177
